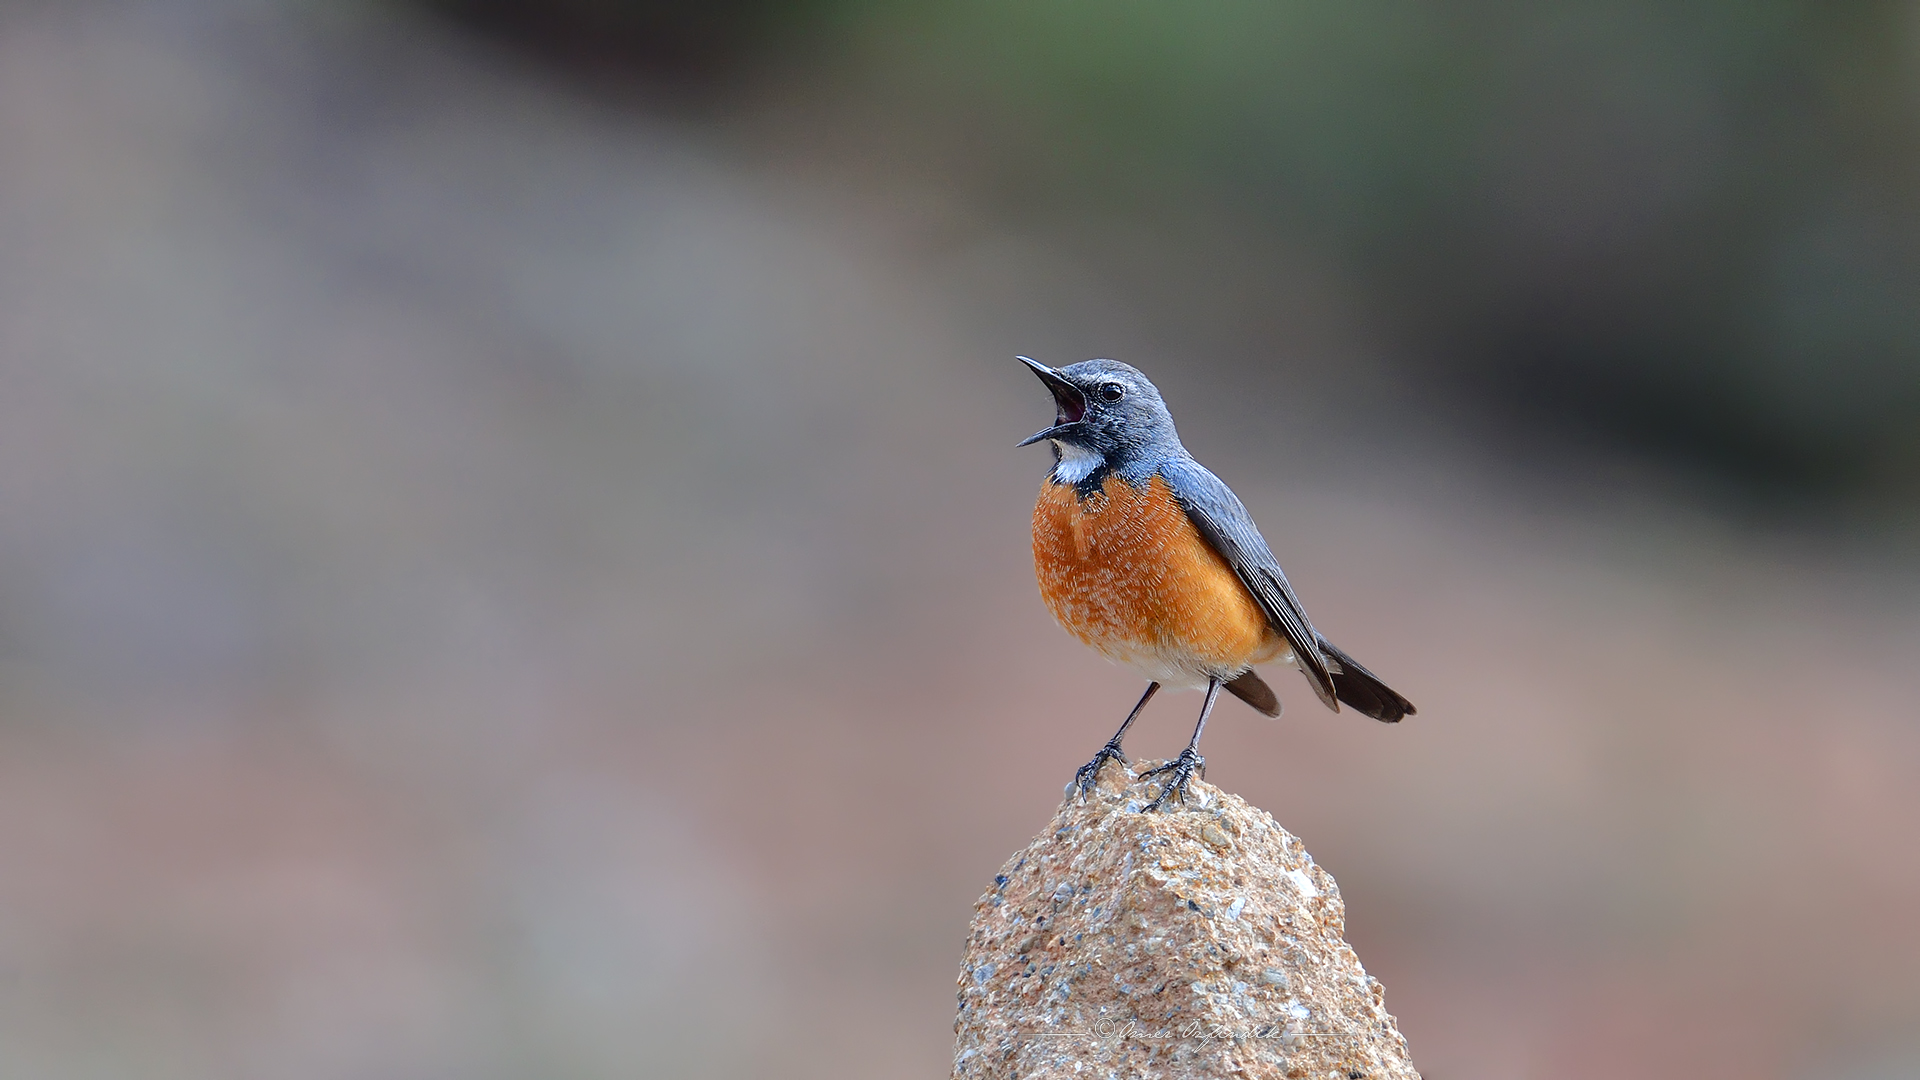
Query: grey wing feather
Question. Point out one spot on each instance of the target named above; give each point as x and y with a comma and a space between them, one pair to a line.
1225, 524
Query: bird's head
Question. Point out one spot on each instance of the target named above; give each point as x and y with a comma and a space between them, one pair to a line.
1107, 414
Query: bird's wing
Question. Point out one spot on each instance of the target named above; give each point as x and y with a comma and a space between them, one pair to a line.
1225, 524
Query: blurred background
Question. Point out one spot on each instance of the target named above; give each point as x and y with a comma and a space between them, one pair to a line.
513, 560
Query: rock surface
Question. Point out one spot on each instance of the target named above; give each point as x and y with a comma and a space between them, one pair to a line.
1201, 942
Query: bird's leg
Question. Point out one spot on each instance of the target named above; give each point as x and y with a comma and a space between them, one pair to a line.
1189, 760
1089, 773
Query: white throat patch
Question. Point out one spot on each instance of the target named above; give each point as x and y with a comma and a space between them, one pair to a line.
1076, 463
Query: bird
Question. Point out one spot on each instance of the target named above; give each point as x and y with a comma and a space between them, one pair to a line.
1154, 562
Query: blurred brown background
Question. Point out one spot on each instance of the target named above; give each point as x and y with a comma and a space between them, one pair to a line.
513, 560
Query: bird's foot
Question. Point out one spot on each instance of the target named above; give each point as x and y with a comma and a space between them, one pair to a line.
1089, 774
1182, 768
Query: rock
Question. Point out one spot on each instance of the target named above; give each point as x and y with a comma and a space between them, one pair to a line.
1201, 942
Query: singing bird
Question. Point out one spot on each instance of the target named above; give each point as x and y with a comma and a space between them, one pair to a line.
1152, 560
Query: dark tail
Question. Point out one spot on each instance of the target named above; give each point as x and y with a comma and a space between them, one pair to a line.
1356, 686
1250, 689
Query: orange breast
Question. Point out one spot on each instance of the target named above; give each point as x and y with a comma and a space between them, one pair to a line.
1125, 571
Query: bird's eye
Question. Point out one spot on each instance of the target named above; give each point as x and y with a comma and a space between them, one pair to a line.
1111, 392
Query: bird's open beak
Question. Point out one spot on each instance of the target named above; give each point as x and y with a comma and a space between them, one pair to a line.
1072, 404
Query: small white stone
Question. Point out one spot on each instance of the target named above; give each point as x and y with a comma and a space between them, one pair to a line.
1304, 882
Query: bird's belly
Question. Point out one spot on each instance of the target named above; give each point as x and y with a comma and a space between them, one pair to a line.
1125, 571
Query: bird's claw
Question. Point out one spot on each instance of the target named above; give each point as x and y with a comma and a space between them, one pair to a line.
1182, 768
1088, 775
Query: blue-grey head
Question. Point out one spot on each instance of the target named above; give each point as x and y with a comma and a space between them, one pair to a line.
1108, 416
